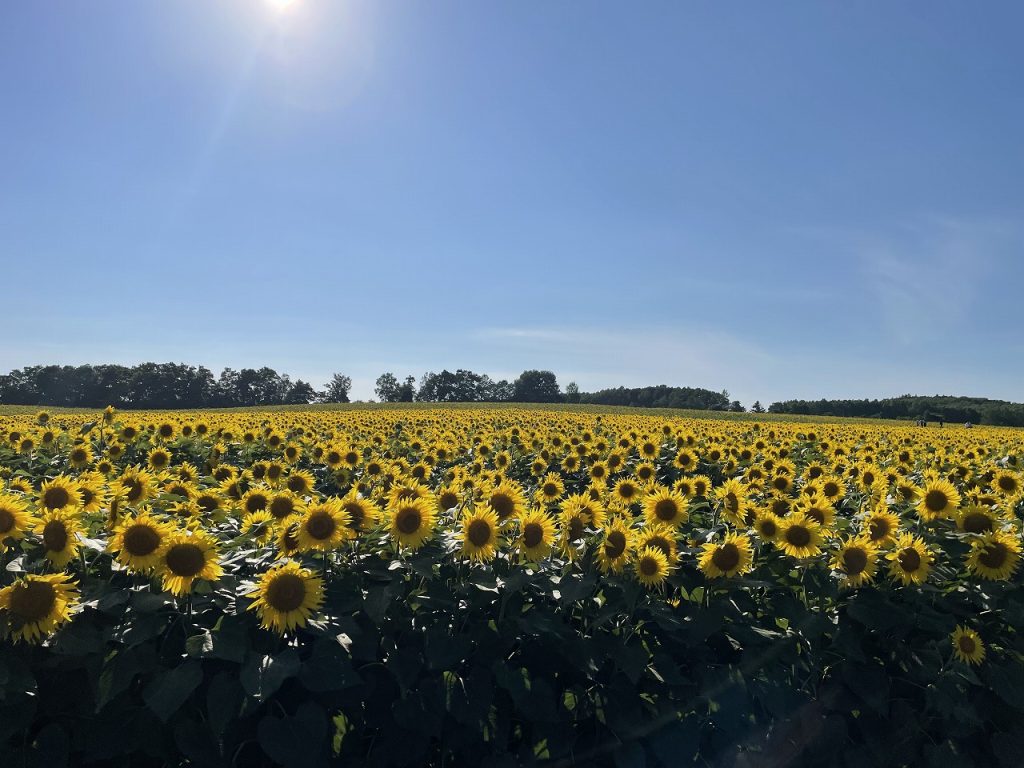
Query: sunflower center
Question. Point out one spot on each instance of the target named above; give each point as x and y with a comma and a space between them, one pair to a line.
408, 520
56, 498
281, 507
575, 528
502, 504
7, 520
726, 557
935, 501
286, 592
732, 502
533, 535
185, 560
356, 514
141, 540
1007, 484
976, 522
449, 500
910, 559
967, 645
817, 515
830, 489
321, 526
768, 528
615, 544
296, 484
648, 566
55, 536
626, 491
32, 601
134, 489
855, 560
550, 489
256, 503
798, 536
479, 533
878, 529
666, 509
993, 556
659, 542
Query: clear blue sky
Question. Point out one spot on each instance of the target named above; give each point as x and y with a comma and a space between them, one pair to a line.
785, 199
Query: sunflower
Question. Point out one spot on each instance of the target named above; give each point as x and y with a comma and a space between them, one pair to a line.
324, 526
61, 493
92, 490
506, 499
287, 536
362, 512
187, 556
731, 557
686, 460
411, 522
1006, 483
881, 526
480, 535
283, 504
625, 493
550, 489
652, 567
287, 595
732, 495
701, 486
817, 508
800, 536
766, 525
80, 456
660, 537
967, 645
448, 497
59, 532
159, 459
831, 487
665, 506
15, 519
259, 525
34, 606
616, 547
975, 518
578, 513
255, 500
911, 560
994, 556
137, 484
536, 535
857, 560
937, 499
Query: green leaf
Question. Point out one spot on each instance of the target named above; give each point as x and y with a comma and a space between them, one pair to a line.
261, 676
224, 699
870, 683
376, 603
297, 741
165, 695
329, 668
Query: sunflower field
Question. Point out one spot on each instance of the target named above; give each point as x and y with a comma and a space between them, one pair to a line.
506, 586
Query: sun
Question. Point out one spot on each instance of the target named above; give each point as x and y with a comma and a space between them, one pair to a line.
280, 5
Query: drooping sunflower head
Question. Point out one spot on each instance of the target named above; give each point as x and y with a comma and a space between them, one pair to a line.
286, 596
33, 607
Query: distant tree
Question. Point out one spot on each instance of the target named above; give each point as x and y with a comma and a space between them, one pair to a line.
337, 389
757, 407
536, 387
407, 392
736, 407
572, 392
388, 388
302, 393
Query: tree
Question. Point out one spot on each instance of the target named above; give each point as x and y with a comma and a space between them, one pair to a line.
337, 389
572, 392
302, 393
407, 391
536, 387
757, 407
387, 388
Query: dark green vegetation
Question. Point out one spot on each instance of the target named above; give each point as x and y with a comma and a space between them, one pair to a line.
977, 410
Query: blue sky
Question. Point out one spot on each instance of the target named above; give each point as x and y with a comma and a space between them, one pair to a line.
793, 199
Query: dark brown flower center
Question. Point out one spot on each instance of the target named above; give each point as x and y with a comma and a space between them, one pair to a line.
7, 520
994, 555
649, 566
55, 536
286, 592
726, 557
855, 560
533, 535
32, 601
321, 526
479, 533
666, 510
977, 522
935, 501
185, 560
503, 504
909, 559
141, 540
614, 544
56, 498
798, 536
408, 520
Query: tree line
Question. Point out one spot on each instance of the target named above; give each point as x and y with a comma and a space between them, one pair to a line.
977, 410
